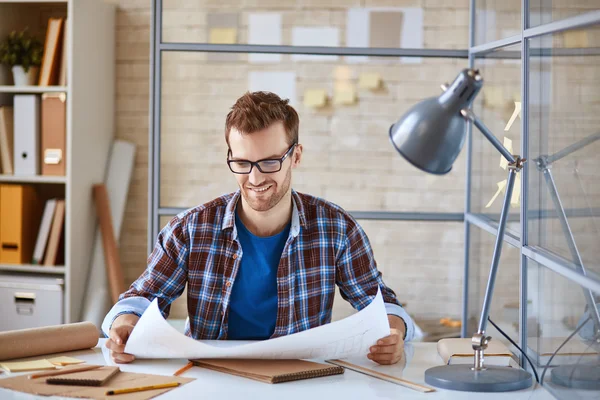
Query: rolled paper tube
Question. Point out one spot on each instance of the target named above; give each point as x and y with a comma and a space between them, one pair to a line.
47, 340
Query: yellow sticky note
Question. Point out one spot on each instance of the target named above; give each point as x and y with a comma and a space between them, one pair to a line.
22, 366
501, 187
315, 98
65, 360
222, 36
369, 81
516, 194
516, 112
342, 73
345, 95
493, 96
575, 39
508, 145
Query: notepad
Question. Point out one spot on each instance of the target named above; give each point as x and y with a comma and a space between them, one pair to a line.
96, 377
62, 361
271, 371
23, 366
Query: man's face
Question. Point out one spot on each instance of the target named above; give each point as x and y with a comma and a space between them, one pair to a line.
263, 191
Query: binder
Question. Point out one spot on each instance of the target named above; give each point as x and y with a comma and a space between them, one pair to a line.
56, 234
51, 59
270, 371
44, 232
19, 220
53, 133
6, 138
26, 134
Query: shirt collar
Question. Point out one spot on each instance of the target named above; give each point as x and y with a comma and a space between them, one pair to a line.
298, 216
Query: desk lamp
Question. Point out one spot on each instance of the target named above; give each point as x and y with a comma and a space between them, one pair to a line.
430, 136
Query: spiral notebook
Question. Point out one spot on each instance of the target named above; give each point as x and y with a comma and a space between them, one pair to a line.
271, 371
96, 377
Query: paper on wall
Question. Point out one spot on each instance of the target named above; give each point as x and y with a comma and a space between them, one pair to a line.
154, 337
516, 112
282, 83
315, 36
315, 98
264, 28
501, 187
358, 32
222, 36
369, 81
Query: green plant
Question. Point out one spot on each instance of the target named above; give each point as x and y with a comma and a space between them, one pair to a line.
21, 48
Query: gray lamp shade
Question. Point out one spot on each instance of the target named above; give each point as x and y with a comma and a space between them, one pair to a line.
432, 133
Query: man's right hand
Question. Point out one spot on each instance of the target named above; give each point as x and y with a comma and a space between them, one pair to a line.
119, 333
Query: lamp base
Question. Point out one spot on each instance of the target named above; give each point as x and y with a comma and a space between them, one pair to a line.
493, 379
577, 376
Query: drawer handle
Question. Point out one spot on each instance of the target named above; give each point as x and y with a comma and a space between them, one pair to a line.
10, 246
24, 302
24, 297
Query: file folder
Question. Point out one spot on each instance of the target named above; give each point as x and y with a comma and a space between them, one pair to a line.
26, 134
54, 129
19, 223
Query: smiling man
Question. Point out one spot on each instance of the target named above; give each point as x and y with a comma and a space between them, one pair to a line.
263, 261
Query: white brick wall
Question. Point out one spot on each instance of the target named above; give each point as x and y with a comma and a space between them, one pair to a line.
422, 262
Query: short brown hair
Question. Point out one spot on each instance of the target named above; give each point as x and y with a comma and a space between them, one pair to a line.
258, 110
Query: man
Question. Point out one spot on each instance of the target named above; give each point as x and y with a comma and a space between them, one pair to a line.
264, 261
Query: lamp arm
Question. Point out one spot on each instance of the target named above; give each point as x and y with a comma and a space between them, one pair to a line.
479, 340
572, 148
468, 114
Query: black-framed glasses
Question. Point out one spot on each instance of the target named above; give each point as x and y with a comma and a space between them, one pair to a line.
266, 166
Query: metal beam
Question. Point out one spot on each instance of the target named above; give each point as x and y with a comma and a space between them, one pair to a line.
369, 215
579, 21
314, 50
491, 226
562, 267
496, 44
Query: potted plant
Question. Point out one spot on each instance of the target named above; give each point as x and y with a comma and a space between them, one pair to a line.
23, 52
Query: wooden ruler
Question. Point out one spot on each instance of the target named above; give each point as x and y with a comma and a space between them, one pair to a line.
385, 377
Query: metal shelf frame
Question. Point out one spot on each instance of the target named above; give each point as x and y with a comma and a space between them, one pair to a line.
469, 219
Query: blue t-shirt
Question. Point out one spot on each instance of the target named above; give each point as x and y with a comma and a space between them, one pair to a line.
253, 304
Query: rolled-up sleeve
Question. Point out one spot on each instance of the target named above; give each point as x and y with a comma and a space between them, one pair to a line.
358, 278
164, 278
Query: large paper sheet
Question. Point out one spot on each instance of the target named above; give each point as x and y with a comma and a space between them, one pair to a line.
153, 337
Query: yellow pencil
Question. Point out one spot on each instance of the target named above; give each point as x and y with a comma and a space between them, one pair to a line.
183, 369
142, 388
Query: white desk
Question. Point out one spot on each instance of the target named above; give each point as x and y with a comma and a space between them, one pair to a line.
350, 385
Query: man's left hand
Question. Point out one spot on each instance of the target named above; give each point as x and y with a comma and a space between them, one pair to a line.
390, 349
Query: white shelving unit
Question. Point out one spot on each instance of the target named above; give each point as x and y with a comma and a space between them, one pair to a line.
90, 94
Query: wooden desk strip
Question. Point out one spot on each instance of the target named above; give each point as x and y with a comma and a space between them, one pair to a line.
385, 377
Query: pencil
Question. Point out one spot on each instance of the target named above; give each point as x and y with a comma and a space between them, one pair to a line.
183, 369
64, 371
142, 388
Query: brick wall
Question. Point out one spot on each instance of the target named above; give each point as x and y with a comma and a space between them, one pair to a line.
347, 159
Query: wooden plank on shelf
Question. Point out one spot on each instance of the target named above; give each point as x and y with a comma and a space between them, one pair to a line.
32, 1
59, 269
33, 179
31, 89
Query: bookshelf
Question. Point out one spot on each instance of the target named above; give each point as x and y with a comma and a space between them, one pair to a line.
90, 98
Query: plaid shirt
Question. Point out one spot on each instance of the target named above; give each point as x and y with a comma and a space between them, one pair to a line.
325, 247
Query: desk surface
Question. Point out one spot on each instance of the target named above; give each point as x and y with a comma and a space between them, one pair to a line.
350, 385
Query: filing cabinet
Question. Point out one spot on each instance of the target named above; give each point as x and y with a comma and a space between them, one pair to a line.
30, 302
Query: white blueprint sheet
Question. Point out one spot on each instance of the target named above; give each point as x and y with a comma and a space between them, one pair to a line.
154, 337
